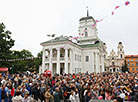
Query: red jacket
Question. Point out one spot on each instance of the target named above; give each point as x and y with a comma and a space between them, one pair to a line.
12, 92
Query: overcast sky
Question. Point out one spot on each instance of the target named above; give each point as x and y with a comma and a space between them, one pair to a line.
31, 20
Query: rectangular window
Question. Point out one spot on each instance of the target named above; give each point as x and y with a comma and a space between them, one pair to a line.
61, 55
75, 70
87, 58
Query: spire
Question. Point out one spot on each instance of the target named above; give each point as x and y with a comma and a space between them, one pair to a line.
87, 12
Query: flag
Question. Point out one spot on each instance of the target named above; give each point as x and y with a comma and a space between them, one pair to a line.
127, 3
75, 37
117, 7
101, 20
93, 25
97, 21
113, 13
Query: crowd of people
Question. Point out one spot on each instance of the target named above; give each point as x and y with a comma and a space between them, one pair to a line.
81, 87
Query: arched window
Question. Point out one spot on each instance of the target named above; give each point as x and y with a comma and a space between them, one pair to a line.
113, 63
121, 56
86, 33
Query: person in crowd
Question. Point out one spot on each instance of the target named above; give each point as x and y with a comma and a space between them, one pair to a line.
27, 98
88, 96
56, 95
3, 93
36, 92
48, 96
42, 92
81, 87
72, 96
117, 99
18, 97
77, 97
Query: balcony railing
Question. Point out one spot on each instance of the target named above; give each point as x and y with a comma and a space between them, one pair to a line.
55, 59
47, 59
62, 58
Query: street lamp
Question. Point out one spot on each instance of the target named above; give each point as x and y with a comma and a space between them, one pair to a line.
52, 35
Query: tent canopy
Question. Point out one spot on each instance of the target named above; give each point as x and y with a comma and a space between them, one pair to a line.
3, 69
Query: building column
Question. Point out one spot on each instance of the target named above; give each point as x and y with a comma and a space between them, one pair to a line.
58, 61
92, 68
97, 63
66, 60
50, 60
71, 61
102, 59
43, 61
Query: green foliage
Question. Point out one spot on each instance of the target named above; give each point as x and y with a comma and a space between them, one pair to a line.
6, 42
38, 61
26, 62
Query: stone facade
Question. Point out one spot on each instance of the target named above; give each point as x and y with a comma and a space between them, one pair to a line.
114, 62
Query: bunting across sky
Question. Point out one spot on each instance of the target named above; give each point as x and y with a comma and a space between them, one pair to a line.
112, 13
17, 59
98, 21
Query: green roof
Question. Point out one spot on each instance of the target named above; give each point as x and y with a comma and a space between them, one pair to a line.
91, 45
61, 39
58, 39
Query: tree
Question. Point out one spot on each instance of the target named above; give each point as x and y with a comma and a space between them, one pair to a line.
38, 60
6, 42
25, 62
125, 68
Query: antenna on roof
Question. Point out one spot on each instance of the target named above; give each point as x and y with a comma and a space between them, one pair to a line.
87, 11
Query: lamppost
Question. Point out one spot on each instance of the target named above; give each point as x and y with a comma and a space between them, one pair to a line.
52, 36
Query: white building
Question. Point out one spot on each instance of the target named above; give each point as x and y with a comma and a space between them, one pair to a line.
114, 62
63, 55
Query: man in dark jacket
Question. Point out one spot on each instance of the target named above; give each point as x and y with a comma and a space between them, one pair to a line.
56, 95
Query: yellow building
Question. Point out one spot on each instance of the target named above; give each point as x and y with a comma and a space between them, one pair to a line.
132, 63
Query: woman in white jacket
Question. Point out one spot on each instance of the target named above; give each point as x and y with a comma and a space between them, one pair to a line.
18, 97
77, 98
72, 97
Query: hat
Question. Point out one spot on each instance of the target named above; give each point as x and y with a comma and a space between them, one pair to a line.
26, 93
